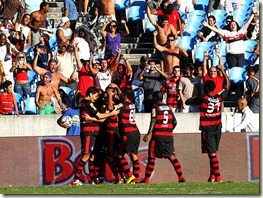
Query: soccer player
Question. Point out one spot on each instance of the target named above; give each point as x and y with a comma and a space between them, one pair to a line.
110, 131
161, 144
130, 136
90, 118
211, 124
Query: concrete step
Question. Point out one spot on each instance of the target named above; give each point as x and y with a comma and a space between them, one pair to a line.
140, 51
136, 45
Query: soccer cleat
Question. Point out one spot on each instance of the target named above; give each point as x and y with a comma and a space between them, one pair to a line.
182, 180
218, 179
136, 180
76, 183
145, 181
211, 178
130, 179
119, 182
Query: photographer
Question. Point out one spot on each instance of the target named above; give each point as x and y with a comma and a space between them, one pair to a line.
152, 78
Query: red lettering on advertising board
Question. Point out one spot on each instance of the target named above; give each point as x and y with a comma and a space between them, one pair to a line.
59, 158
255, 157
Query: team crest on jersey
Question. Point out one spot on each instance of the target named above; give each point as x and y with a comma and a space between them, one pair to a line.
163, 108
132, 106
92, 105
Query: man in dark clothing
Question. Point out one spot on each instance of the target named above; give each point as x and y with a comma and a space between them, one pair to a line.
11, 7
252, 84
161, 144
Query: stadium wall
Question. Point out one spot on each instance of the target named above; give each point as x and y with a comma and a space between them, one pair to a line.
49, 160
36, 125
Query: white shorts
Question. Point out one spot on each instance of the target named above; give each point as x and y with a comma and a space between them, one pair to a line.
100, 23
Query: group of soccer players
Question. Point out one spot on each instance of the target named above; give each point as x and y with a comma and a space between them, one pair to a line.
109, 131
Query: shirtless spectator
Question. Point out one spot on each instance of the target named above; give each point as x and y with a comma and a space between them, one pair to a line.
64, 32
164, 28
106, 10
37, 21
172, 52
56, 76
11, 7
53, 66
173, 15
44, 93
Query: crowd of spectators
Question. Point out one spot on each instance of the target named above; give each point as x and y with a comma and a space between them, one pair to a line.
74, 62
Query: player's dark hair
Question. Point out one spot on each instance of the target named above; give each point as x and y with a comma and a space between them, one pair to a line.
176, 67
190, 66
209, 85
171, 35
127, 91
256, 68
238, 27
158, 96
170, 8
212, 17
163, 18
43, 4
91, 90
6, 84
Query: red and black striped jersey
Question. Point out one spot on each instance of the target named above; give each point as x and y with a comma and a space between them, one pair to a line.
211, 113
171, 86
88, 108
165, 120
127, 122
111, 124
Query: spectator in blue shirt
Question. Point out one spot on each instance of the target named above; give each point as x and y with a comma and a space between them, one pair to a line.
70, 11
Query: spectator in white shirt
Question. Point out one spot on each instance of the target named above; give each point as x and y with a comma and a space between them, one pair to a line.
247, 123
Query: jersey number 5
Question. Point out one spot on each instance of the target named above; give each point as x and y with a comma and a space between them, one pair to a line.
165, 117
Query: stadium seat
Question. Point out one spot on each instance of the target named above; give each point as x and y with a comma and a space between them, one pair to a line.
32, 77
240, 16
148, 26
199, 53
201, 5
182, 15
193, 26
197, 19
30, 106
220, 24
249, 44
247, 6
187, 43
237, 75
249, 58
216, 61
216, 13
67, 90
198, 13
53, 40
206, 44
222, 48
192, 34
137, 11
121, 4
19, 102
